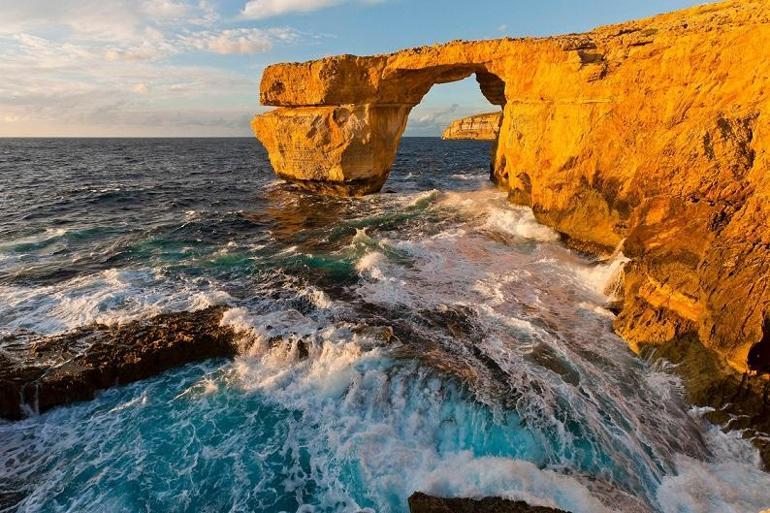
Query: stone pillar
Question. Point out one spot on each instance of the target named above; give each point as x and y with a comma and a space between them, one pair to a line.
341, 149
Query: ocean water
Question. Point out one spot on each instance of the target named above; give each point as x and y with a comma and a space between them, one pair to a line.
429, 338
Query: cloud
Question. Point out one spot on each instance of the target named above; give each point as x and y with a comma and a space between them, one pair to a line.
115, 19
165, 9
129, 67
239, 41
122, 67
141, 88
261, 9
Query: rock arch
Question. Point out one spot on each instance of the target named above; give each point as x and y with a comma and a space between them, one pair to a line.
340, 131
653, 132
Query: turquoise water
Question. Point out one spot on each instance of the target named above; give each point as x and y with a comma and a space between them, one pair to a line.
431, 338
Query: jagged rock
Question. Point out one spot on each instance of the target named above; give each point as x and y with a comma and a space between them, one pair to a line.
38, 373
422, 503
735, 402
653, 132
480, 127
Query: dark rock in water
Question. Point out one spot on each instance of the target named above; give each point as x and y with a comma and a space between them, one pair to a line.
422, 503
736, 401
38, 372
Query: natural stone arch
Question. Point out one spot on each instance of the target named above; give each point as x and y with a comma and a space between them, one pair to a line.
652, 133
343, 137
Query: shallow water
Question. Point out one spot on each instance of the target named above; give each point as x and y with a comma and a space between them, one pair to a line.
432, 337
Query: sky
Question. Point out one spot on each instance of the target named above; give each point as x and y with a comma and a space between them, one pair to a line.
191, 68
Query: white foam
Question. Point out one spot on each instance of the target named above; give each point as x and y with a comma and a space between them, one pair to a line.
469, 177
46, 235
463, 475
596, 309
358, 408
520, 222
370, 263
106, 297
720, 487
421, 198
498, 215
604, 278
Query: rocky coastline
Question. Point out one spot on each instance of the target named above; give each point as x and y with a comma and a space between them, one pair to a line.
480, 127
38, 373
647, 137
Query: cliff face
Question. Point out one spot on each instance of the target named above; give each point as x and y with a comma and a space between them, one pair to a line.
481, 127
653, 134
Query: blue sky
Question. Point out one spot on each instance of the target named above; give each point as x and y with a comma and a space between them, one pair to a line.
192, 67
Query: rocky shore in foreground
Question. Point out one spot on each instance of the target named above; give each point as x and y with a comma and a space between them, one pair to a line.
422, 503
38, 372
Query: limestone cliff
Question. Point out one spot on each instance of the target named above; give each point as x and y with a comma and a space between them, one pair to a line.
652, 134
481, 127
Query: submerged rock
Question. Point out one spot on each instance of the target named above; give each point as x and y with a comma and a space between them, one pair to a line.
38, 373
422, 503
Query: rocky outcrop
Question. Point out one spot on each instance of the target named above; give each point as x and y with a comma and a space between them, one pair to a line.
735, 402
38, 373
422, 503
481, 127
651, 134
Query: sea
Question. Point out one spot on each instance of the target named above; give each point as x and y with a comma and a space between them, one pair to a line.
432, 337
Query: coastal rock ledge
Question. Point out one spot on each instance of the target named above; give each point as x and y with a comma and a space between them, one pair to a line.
649, 135
480, 127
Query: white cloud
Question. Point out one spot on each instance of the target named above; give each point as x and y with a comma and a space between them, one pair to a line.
165, 9
239, 41
141, 88
105, 67
115, 19
261, 9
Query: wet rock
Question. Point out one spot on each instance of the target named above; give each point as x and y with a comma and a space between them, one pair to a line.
422, 503
38, 372
733, 401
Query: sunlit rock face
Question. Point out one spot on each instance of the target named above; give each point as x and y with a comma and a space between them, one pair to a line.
344, 149
653, 134
480, 127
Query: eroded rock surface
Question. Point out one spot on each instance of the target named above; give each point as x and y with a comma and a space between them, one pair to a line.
38, 373
480, 127
652, 133
422, 503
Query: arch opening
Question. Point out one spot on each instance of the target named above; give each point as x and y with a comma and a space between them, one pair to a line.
454, 126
